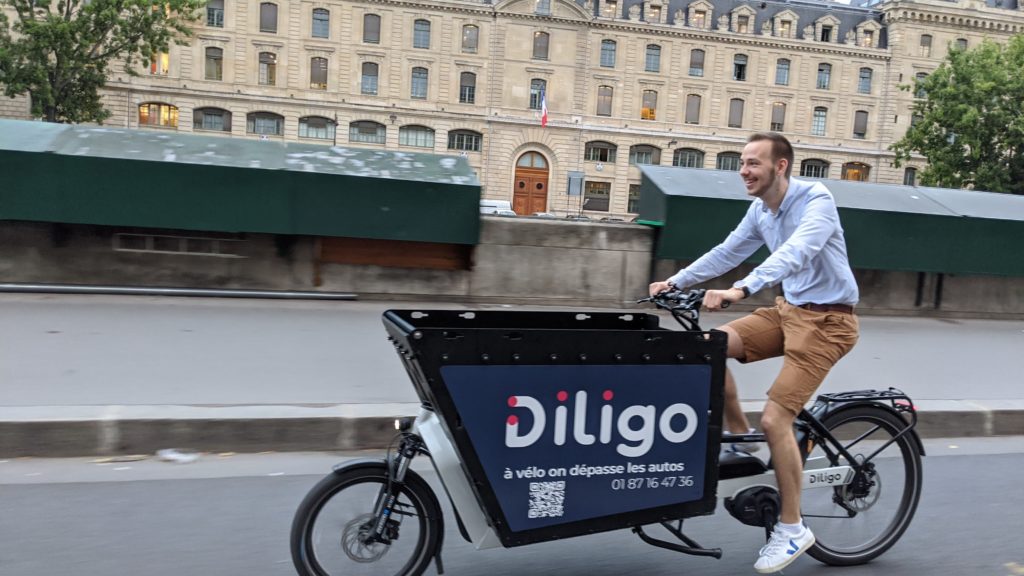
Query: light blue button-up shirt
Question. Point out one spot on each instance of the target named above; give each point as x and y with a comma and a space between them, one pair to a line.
808, 250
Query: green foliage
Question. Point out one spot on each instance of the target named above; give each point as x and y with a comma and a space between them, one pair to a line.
59, 52
970, 123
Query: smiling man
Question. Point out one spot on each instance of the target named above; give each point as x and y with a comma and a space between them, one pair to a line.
811, 326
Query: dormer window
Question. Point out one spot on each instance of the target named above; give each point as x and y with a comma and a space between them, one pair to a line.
826, 33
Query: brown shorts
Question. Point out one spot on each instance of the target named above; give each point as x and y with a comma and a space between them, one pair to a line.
811, 343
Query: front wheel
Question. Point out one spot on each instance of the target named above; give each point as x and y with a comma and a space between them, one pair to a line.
855, 523
332, 533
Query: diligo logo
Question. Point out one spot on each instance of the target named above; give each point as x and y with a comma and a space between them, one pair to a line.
636, 426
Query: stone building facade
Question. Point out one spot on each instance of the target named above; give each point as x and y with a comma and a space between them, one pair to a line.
547, 98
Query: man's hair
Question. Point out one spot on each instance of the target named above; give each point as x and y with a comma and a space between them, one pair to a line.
781, 148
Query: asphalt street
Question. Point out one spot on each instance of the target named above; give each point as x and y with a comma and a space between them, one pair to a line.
230, 515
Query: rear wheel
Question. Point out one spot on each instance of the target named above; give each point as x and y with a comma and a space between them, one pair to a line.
854, 524
332, 533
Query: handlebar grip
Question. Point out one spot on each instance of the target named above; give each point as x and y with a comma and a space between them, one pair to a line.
726, 304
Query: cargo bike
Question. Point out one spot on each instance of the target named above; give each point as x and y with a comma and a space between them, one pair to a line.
549, 425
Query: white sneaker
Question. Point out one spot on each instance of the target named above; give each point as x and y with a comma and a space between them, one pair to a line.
748, 447
782, 549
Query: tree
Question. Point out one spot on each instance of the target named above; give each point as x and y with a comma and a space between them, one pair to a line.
969, 124
59, 52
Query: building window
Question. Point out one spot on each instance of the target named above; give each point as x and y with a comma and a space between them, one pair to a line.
696, 62
961, 44
465, 140
268, 68
926, 45
864, 81
824, 76
419, 136
596, 196
813, 168
371, 29
268, 17
419, 84
214, 64
867, 39
693, 109
537, 87
598, 151
826, 33
649, 105
215, 13
818, 121
688, 158
608, 53
652, 60
644, 154
856, 171
778, 123
321, 23
213, 119
786, 29
910, 177
633, 202
919, 92
540, 45
532, 160
739, 67
368, 84
699, 20
158, 114
743, 24
367, 132
318, 73
860, 124
470, 38
782, 72
264, 123
610, 9
543, 7
467, 88
736, 113
728, 161
316, 127
604, 100
160, 64
421, 34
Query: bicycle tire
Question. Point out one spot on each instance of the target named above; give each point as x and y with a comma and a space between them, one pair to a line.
415, 501
898, 466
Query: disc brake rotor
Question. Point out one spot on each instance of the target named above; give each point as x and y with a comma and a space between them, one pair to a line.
863, 492
355, 540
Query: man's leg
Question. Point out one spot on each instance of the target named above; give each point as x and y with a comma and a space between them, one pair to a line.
735, 420
777, 423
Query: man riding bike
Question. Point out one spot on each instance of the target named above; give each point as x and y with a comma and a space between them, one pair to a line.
811, 327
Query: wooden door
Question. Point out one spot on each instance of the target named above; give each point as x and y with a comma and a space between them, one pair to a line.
530, 188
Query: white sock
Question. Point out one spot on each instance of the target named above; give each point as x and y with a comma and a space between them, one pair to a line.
791, 529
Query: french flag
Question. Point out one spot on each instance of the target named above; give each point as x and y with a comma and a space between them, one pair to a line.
544, 108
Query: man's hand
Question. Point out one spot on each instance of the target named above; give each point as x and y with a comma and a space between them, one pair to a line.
658, 287
713, 299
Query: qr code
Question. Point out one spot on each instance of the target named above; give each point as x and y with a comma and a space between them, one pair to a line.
547, 499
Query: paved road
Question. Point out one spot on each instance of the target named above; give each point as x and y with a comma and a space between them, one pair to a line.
230, 515
100, 350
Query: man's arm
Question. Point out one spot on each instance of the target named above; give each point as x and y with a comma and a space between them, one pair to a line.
819, 222
737, 247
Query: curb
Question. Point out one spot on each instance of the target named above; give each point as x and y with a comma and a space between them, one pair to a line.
68, 431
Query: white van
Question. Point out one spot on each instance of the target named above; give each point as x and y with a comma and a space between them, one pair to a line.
495, 206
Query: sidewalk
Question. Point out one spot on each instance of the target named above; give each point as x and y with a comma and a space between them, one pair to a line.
83, 375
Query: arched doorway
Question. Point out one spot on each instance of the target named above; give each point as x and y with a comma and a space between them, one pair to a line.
530, 191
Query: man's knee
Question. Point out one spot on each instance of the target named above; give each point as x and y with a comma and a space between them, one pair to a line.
734, 346
776, 418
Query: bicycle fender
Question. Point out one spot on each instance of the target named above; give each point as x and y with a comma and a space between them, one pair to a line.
841, 407
358, 463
